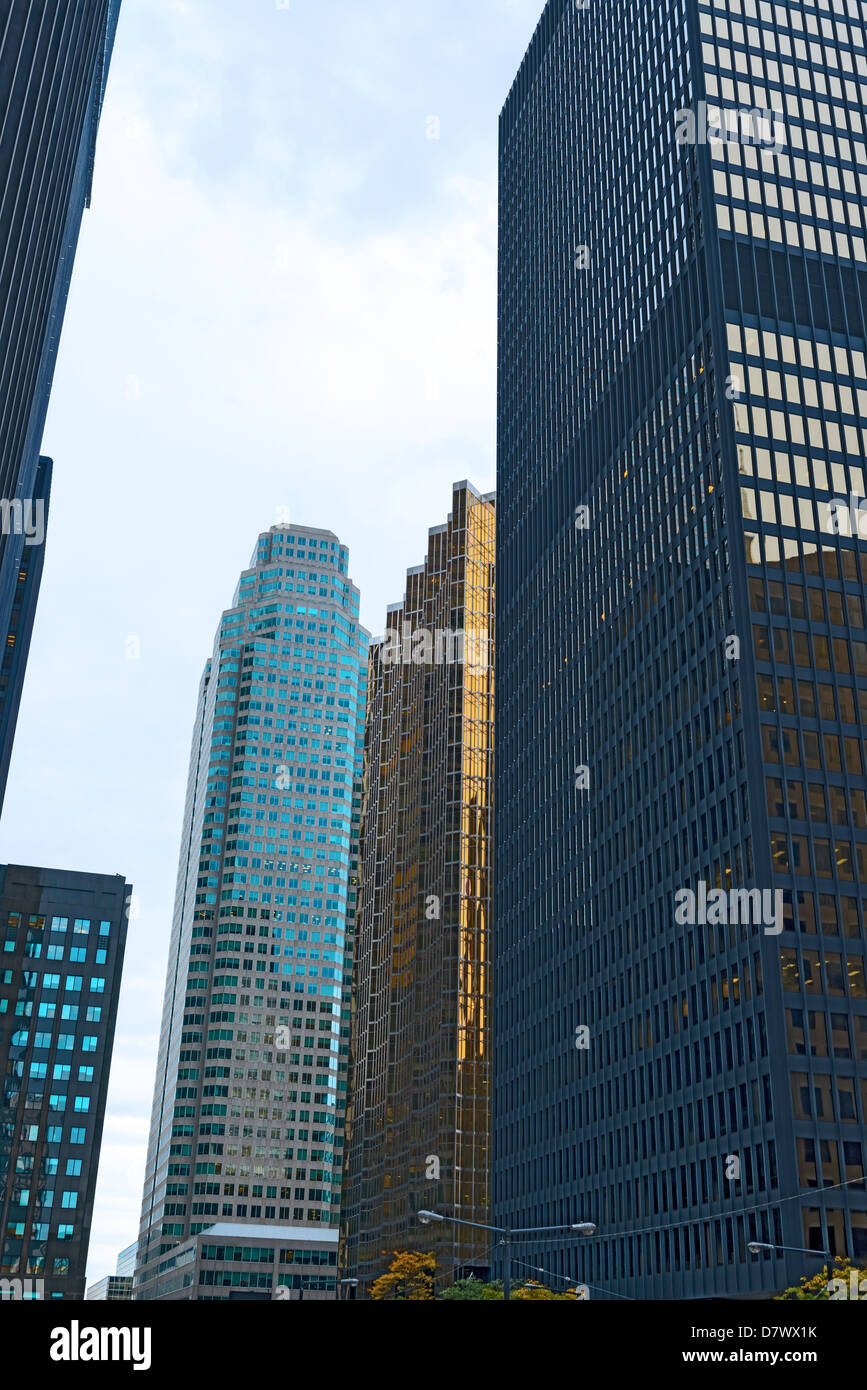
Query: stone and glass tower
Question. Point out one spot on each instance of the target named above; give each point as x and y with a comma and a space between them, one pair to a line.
250, 1095
421, 1064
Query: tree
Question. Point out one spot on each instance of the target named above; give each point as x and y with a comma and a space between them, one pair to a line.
814, 1288
540, 1294
410, 1277
473, 1291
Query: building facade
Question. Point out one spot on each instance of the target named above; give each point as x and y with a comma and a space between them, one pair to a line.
249, 1262
64, 936
113, 1288
125, 1268
117, 1287
682, 668
53, 68
421, 1070
19, 630
250, 1094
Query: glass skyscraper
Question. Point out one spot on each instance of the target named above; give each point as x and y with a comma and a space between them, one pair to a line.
117, 1287
62, 943
21, 616
250, 1094
681, 1054
53, 67
420, 1101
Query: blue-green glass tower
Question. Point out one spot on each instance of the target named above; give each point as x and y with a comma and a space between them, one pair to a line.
250, 1095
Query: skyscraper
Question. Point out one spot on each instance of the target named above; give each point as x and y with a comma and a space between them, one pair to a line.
420, 1089
64, 936
19, 630
117, 1287
250, 1091
53, 68
125, 1267
682, 653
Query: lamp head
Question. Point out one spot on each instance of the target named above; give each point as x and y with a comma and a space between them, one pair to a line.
426, 1217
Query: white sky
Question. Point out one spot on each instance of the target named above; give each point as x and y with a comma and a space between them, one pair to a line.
284, 297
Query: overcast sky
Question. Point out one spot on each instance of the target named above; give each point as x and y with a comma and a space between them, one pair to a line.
284, 297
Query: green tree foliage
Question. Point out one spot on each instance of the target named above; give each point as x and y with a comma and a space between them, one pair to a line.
472, 1291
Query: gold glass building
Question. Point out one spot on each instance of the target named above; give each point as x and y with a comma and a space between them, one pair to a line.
419, 1117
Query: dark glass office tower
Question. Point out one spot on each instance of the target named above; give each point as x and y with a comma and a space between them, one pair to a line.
63, 939
682, 668
13, 659
419, 1134
53, 67
250, 1096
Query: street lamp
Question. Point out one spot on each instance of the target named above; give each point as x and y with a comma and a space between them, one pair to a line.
507, 1234
758, 1247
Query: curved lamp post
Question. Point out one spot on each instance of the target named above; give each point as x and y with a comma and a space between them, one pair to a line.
507, 1234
